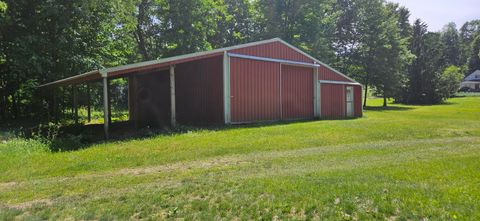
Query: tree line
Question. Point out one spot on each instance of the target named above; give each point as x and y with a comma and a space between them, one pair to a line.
372, 41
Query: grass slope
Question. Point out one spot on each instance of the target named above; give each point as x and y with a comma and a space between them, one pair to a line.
407, 162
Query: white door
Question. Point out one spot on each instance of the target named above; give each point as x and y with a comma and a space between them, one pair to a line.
349, 101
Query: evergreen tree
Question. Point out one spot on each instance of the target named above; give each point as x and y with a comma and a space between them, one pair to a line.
451, 45
474, 59
468, 32
423, 84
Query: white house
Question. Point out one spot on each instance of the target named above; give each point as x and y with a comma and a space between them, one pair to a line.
472, 81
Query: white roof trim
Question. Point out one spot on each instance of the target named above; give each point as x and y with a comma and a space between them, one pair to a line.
304, 64
338, 82
192, 55
316, 60
186, 56
70, 78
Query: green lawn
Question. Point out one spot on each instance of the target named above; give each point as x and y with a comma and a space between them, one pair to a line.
406, 162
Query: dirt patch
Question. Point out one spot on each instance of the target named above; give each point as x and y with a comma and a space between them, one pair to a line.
8, 185
30, 204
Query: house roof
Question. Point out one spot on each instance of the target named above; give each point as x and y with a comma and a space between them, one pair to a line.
122, 70
475, 76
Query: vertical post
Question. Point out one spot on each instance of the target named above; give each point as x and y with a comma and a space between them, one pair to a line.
131, 98
89, 111
226, 88
105, 106
109, 102
75, 103
172, 97
319, 99
55, 105
344, 100
316, 93
72, 108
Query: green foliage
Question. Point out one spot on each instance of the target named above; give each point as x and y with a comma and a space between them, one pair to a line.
379, 53
46, 133
3, 6
425, 84
42, 41
449, 81
468, 32
49, 135
474, 59
451, 45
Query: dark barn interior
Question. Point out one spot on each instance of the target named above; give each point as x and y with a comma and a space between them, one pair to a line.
198, 95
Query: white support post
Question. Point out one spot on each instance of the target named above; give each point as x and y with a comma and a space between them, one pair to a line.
319, 99
344, 88
106, 111
316, 93
173, 120
226, 88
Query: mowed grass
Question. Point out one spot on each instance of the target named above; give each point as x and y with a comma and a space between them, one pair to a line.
405, 162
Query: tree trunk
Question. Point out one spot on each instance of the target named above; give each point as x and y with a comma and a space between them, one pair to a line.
14, 106
89, 111
140, 32
384, 98
365, 97
3, 107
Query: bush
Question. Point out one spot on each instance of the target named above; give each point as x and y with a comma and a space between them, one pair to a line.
68, 143
46, 133
449, 82
49, 134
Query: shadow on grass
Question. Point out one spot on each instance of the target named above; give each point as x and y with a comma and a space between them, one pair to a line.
388, 108
77, 137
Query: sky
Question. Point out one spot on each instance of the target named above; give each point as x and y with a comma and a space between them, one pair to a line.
437, 13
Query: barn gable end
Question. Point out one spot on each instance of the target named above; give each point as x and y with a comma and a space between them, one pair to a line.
276, 50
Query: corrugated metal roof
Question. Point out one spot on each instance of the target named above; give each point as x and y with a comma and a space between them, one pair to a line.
141, 66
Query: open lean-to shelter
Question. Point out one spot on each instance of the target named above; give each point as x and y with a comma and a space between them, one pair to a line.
262, 81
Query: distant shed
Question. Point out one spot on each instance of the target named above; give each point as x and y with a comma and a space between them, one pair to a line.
262, 81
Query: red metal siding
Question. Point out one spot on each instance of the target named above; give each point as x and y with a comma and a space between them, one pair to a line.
275, 50
199, 91
254, 90
332, 101
325, 73
297, 92
357, 96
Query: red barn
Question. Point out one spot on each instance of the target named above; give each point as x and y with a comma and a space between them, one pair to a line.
262, 81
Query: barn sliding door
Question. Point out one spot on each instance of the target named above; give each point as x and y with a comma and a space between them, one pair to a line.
254, 90
332, 101
269, 91
297, 92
